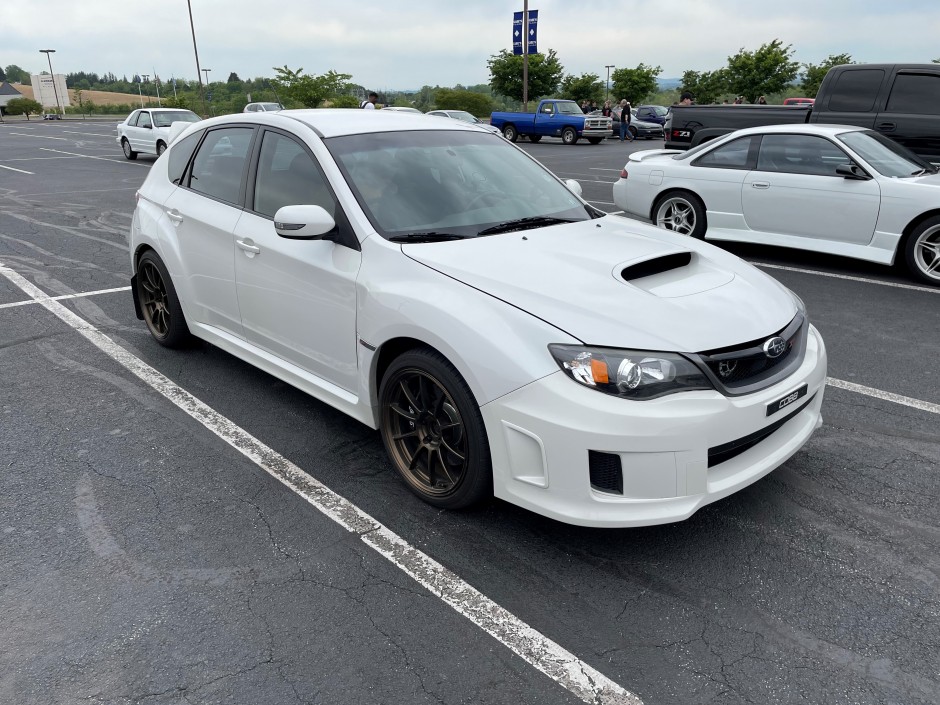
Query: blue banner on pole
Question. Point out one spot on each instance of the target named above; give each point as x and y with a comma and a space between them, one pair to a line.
529, 35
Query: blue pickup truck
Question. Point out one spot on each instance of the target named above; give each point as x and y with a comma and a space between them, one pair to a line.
553, 118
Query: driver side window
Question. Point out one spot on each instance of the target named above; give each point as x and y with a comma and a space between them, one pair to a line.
288, 176
143, 120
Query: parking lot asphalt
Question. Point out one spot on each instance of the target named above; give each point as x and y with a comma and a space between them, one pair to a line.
144, 558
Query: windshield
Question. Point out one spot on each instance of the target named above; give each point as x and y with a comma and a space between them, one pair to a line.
271, 106
462, 115
884, 155
568, 107
657, 110
168, 118
448, 182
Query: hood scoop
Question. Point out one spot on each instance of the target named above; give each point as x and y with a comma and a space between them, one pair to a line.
656, 265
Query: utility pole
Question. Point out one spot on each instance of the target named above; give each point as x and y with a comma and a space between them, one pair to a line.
145, 78
139, 92
156, 82
525, 55
202, 93
55, 91
607, 85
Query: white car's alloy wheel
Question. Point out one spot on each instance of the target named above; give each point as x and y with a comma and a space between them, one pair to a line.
681, 214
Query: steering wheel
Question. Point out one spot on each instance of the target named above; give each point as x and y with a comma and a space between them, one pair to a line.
479, 199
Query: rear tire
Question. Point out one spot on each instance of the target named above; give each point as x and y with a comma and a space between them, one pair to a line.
128, 152
922, 251
433, 431
682, 212
569, 136
510, 133
159, 302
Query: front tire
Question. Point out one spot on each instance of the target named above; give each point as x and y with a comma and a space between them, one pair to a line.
510, 133
159, 302
682, 212
128, 152
433, 431
569, 136
595, 140
922, 251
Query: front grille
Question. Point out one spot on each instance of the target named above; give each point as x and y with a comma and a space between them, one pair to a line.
732, 449
746, 368
597, 123
606, 471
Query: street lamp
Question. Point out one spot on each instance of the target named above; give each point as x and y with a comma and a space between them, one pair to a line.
607, 85
145, 78
206, 71
55, 92
196, 52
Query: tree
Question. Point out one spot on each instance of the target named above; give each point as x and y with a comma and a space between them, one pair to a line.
16, 75
635, 84
233, 78
768, 70
814, 73
3, 76
545, 73
453, 99
587, 86
707, 86
23, 106
344, 101
310, 90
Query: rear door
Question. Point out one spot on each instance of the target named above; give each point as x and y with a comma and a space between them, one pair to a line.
912, 113
851, 97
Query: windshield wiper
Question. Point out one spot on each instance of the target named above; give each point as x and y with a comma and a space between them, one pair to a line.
535, 221
431, 236
925, 170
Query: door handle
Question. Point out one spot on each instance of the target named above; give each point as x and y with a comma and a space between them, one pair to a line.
760, 184
175, 216
887, 126
248, 246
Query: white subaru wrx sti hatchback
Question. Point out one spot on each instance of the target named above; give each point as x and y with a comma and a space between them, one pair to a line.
438, 284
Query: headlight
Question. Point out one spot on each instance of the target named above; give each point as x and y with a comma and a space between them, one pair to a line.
631, 374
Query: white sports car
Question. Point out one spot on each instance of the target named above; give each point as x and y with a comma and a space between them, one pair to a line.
148, 130
827, 188
436, 283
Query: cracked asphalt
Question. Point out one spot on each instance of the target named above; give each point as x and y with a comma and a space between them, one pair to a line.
143, 560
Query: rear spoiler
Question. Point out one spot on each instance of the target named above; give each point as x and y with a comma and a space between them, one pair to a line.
640, 156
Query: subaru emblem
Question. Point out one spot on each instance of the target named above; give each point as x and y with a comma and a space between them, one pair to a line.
775, 347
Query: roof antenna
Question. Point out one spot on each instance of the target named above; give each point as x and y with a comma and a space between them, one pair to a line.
273, 91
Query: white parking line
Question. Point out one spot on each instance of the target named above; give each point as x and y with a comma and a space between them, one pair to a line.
116, 160
65, 296
864, 280
539, 651
92, 134
19, 170
886, 396
44, 137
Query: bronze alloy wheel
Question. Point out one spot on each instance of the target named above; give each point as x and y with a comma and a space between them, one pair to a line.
153, 299
433, 430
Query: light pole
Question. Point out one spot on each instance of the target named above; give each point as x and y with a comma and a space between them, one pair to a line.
145, 78
196, 52
206, 71
208, 92
55, 92
139, 92
607, 85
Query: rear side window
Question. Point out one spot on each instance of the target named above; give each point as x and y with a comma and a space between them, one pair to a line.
220, 163
915, 93
179, 156
855, 90
733, 155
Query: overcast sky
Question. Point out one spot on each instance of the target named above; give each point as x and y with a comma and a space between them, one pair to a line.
404, 44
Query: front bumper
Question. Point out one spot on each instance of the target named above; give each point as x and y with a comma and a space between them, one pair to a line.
540, 437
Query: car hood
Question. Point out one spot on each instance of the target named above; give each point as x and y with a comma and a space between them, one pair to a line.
587, 280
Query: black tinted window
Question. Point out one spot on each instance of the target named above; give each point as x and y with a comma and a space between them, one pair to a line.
917, 93
733, 155
855, 91
800, 154
288, 176
179, 156
220, 163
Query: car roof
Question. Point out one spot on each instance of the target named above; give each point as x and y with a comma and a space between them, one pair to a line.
337, 122
804, 128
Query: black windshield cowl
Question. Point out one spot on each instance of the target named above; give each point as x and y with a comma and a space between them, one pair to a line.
431, 236
536, 221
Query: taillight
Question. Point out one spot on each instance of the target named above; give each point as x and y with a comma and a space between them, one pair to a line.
623, 173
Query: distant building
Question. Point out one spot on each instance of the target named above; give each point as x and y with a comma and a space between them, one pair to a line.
44, 93
7, 93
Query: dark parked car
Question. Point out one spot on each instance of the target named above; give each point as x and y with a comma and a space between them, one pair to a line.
51, 116
638, 128
652, 113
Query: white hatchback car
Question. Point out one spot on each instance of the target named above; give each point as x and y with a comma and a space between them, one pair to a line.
436, 283
826, 188
148, 130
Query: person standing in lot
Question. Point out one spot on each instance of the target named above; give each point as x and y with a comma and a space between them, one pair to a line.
762, 101
686, 98
606, 111
625, 120
369, 104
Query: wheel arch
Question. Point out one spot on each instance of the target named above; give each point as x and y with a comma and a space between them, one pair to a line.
909, 229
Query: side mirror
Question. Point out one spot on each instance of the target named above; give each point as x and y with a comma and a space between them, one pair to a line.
303, 222
573, 186
852, 171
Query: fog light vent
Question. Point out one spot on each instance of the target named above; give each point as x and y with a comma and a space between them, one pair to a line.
606, 472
